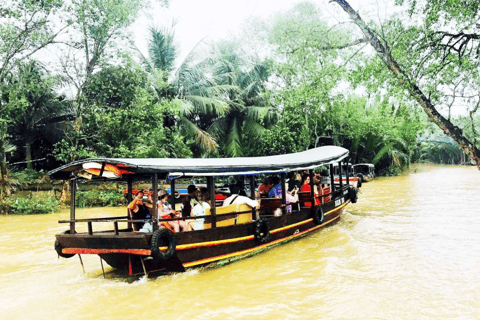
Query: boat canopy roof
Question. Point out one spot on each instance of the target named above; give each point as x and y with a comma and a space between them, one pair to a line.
364, 164
174, 168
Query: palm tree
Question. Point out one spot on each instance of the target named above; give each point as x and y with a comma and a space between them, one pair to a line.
191, 90
247, 106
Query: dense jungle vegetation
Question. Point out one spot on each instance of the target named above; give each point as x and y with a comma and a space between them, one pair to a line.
73, 85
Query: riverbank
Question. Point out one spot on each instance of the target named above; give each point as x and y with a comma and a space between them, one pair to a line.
44, 198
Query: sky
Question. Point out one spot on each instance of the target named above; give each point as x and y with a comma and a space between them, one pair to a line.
216, 19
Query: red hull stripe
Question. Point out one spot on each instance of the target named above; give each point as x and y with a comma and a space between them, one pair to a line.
141, 252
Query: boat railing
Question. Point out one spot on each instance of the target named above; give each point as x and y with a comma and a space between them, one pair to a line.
267, 206
125, 219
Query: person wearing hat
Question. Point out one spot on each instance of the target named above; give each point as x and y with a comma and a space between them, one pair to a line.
166, 212
139, 210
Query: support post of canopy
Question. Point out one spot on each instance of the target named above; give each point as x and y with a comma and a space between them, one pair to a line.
284, 192
72, 205
172, 193
129, 188
332, 179
252, 187
340, 175
129, 198
213, 210
312, 190
347, 174
155, 200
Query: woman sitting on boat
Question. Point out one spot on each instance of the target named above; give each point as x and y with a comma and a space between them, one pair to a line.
264, 187
166, 212
187, 201
199, 207
276, 190
307, 188
139, 210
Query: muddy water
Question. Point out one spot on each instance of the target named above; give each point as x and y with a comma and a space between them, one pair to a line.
409, 249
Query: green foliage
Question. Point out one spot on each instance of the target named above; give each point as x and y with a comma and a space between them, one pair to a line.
123, 117
438, 11
27, 26
36, 203
248, 111
115, 87
33, 109
439, 153
100, 198
31, 179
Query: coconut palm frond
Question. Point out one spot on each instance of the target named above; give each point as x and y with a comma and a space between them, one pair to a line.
162, 48
382, 152
185, 107
8, 147
218, 129
188, 61
253, 128
208, 105
220, 90
202, 138
232, 144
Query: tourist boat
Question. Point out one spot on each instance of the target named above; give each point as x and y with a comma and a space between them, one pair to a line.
230, 232
345, 171
366, 171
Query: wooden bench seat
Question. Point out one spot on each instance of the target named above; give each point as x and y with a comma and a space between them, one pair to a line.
229, 215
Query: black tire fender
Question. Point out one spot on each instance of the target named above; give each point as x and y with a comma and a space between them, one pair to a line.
352, 193
262, 233
58, 248
162, 237
359, 184
318, 216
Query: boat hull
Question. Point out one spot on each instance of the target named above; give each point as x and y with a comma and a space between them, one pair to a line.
133, 251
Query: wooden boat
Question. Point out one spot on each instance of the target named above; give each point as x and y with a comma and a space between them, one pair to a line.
229, 233
366, 171
345, 171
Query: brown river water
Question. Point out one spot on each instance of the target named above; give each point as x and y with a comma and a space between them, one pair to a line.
408, 249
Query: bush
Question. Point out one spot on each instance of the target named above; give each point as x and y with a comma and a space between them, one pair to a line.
36, 204
99, 198
31, 179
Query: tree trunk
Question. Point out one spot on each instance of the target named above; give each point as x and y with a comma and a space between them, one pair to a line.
65, 197
449, 128
3, 175
28, 155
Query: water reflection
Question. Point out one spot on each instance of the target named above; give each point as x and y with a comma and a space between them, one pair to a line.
408, 249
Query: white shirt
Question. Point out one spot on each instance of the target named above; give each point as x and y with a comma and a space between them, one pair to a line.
240, 200
199, 210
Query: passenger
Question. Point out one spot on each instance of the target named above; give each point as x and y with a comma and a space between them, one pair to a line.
200, 205
138, 210
187, 206
276, 190
307, 188
291, 197
165, 211
293, 183
238, 199
237, 188
264, 187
